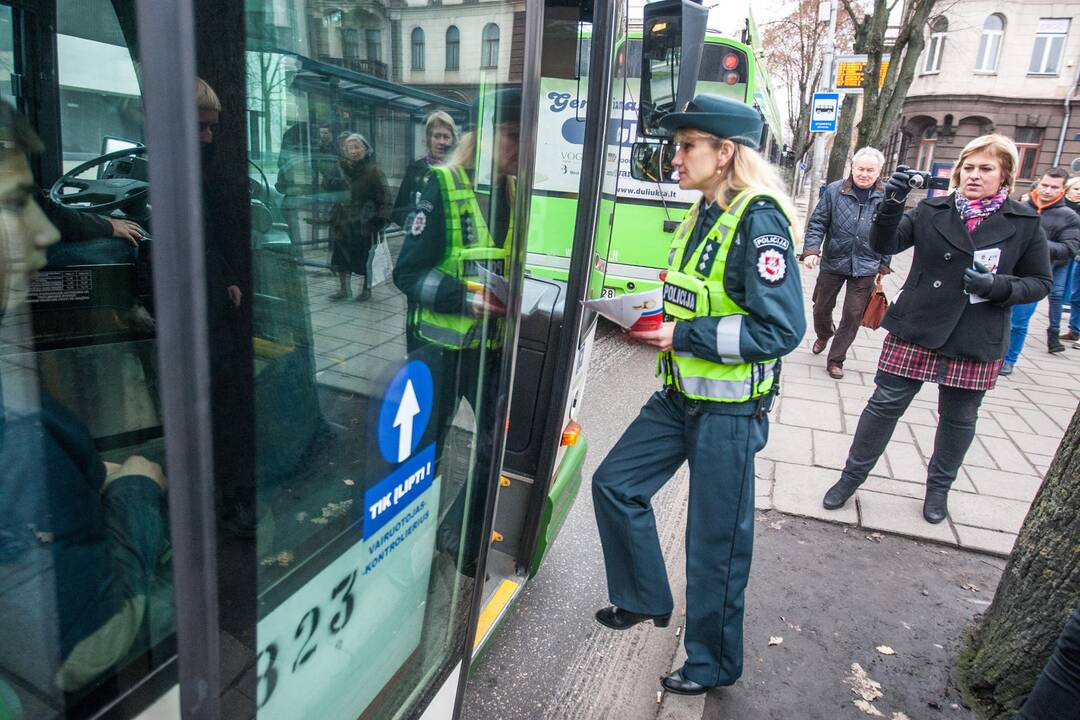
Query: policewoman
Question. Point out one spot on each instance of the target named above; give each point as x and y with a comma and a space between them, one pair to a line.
733, 306
457, 240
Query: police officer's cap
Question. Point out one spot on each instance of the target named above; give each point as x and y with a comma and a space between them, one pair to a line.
506, 102
719, 116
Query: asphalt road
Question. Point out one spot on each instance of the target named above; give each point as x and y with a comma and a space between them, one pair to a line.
833, 594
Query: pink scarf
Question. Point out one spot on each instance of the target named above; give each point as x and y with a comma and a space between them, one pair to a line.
973, 212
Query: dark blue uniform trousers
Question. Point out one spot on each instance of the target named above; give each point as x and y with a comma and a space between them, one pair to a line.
720, 449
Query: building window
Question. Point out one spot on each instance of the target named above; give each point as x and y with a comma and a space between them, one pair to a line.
417, 49
1049, 44
374, 45
453, 48
990, 43
927, 142
489, 51
350, 44
938, 27
1028, 143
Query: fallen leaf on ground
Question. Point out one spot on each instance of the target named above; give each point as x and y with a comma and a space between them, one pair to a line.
885, 650
349, 481
875, 537
899, 716
970, 586
774, 640
867, 708
862, 684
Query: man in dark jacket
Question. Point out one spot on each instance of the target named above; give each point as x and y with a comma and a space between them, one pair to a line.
1062, 228
843, 216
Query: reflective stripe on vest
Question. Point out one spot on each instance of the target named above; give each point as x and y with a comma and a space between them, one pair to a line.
465, 254
695, 377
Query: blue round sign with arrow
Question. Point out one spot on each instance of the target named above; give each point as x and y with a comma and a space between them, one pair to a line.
406, 410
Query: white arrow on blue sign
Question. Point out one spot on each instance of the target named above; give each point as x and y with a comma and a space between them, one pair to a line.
406, 409
823, 111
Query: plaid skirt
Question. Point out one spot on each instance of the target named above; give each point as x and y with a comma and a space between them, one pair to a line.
899, 357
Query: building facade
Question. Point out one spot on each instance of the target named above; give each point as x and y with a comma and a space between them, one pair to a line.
1005, 66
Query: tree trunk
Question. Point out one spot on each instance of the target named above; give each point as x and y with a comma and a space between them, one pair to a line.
841, 147
1006, 649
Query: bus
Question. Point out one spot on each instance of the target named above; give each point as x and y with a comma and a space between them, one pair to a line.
644, 214
226, 492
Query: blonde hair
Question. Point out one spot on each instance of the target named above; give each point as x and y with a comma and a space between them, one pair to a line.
440, 118
464, 155
205, 97
747, 170
1000, 146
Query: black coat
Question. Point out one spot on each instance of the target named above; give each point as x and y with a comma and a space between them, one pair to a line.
931, 309
1062, 228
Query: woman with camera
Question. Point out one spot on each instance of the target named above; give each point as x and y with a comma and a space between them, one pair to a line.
977, 253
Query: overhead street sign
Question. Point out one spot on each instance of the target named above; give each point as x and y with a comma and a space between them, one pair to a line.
849, 72
823, 111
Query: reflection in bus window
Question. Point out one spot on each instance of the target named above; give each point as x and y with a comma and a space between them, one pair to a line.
85, 560
381, 223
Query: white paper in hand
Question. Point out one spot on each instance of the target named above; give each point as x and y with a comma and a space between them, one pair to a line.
495, 284
626, 310
988, 258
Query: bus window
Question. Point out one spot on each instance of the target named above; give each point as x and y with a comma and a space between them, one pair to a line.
86, 605
7, 55
357, 293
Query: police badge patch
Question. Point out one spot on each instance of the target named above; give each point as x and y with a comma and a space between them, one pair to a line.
419, 222
771, 266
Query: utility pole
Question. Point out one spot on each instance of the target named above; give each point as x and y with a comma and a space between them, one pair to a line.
826, 74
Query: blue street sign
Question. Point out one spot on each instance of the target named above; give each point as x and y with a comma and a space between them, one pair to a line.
823, 111
406, 409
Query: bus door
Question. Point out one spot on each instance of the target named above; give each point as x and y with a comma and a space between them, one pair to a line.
545, 446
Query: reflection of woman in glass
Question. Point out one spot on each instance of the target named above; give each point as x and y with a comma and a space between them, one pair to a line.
440, 134
80, 539
456, 246
359, 217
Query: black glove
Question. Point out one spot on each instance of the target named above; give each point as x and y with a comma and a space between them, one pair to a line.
978, 280
897, 188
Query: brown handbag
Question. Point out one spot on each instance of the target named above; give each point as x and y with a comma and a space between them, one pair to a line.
875, 307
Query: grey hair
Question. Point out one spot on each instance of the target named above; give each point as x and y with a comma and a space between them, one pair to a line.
871, 153
357, 137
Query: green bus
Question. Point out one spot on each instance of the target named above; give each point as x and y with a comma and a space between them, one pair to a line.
641, 215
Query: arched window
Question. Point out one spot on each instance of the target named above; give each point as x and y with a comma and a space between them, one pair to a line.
489, 51
990, 43
453, 48
938, 27
417, 49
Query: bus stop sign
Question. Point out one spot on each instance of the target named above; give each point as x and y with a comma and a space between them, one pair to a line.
823, 111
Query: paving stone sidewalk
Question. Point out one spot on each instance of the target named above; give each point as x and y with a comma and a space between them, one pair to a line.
1020, 425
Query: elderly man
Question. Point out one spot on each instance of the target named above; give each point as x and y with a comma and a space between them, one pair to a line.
838, 238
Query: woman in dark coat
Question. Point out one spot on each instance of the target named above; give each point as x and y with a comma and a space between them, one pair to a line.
977, 253
359, 216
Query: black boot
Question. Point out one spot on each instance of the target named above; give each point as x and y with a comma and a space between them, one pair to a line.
1053, 343
839, 494
618, 619
935, 507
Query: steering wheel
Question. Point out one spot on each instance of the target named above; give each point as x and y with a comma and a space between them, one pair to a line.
102, 194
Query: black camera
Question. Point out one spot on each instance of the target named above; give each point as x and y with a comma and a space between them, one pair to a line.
920, 179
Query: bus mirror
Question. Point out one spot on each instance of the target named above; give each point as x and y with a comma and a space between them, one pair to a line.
651, 162
674, 33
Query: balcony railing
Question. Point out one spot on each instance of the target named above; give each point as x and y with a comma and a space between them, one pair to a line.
369, 67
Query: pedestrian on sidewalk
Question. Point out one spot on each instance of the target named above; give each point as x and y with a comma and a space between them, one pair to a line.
838, 237
1072, 284
977, 253
1062, 228
733, 306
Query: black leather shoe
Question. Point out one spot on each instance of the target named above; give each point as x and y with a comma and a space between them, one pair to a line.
618, 619
936, 506
838, 494
676, 683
